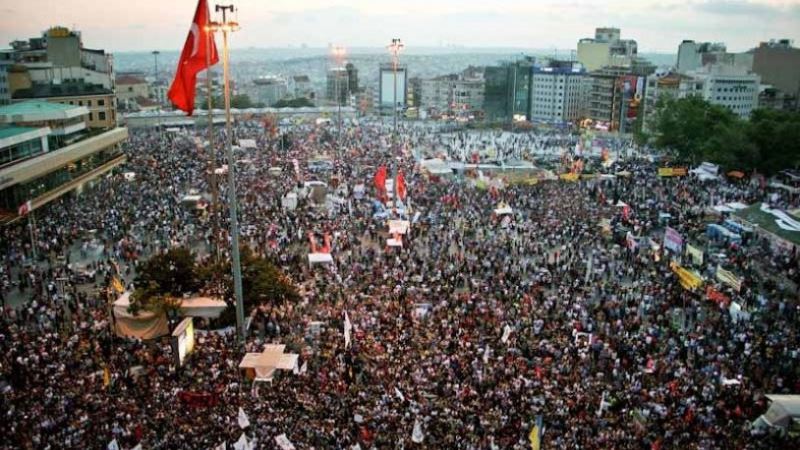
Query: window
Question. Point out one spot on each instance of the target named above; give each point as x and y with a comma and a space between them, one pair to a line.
88, 103
91, 117
101, 115
101, 102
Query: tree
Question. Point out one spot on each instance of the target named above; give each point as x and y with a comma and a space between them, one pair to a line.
299, 102
262, 282
685, 125
163, 279
776, 134
172, 273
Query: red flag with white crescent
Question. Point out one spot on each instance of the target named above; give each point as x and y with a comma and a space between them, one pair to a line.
199, 42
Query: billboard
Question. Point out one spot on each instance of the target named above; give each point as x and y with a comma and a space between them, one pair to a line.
387, 87
183, 340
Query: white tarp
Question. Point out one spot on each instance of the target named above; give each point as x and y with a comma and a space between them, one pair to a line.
283, 442
247, 143
144, 325
204, 307
320, 258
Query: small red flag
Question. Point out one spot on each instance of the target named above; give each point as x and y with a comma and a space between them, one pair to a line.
401, 185
24, 208
199, 42
380, 181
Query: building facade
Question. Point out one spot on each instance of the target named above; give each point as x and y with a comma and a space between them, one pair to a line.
130, 89
778, 64
558, 92
300, 86
268, 90
101, 102
729, 86
606, 49
507, 92
46, 151
337, 85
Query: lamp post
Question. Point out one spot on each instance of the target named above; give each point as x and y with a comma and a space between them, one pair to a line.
226, 27
395, 48
155, 75
338, 53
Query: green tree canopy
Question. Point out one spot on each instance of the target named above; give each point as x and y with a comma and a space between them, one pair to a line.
299, 102
695, 130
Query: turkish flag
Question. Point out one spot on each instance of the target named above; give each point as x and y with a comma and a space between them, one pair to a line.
199, 44
401, 185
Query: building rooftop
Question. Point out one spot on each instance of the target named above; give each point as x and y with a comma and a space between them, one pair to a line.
7, 131
61, 90
130, 79
33, 110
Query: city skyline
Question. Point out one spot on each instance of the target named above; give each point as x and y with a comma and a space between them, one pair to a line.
657, 26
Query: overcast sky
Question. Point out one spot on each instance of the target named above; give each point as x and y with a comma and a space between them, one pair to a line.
658, 26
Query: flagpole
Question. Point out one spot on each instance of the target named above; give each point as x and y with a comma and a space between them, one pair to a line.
32, 226
227, 26
212, 151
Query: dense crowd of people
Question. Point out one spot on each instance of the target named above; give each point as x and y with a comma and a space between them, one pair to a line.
567, 308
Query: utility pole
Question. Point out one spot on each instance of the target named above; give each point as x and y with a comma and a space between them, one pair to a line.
227, 26
155, 61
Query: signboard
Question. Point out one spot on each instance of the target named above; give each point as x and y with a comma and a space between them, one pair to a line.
727, 277
672, 171
183, 340
673, 241
695, 253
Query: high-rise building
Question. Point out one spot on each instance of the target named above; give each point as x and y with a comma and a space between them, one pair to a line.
389, 83
558, 92
352, 77
460, 94
337, 85
606, 49
507, 92
732, 87
268, 90
778, 64
614, 98
47, 151
300, 87
694, 55
58, 68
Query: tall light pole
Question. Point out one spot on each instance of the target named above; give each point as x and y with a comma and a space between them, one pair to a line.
212, 156
155, 75
226, 27
395, 48
338, 56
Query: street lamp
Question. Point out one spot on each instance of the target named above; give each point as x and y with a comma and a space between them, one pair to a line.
338, 53
227, 26
395, 48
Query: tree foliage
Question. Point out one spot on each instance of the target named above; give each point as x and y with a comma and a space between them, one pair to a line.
165, 278
299, 102
695, 130
262, 282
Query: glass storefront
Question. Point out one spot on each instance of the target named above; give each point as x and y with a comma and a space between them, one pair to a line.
20, 151
12, 197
